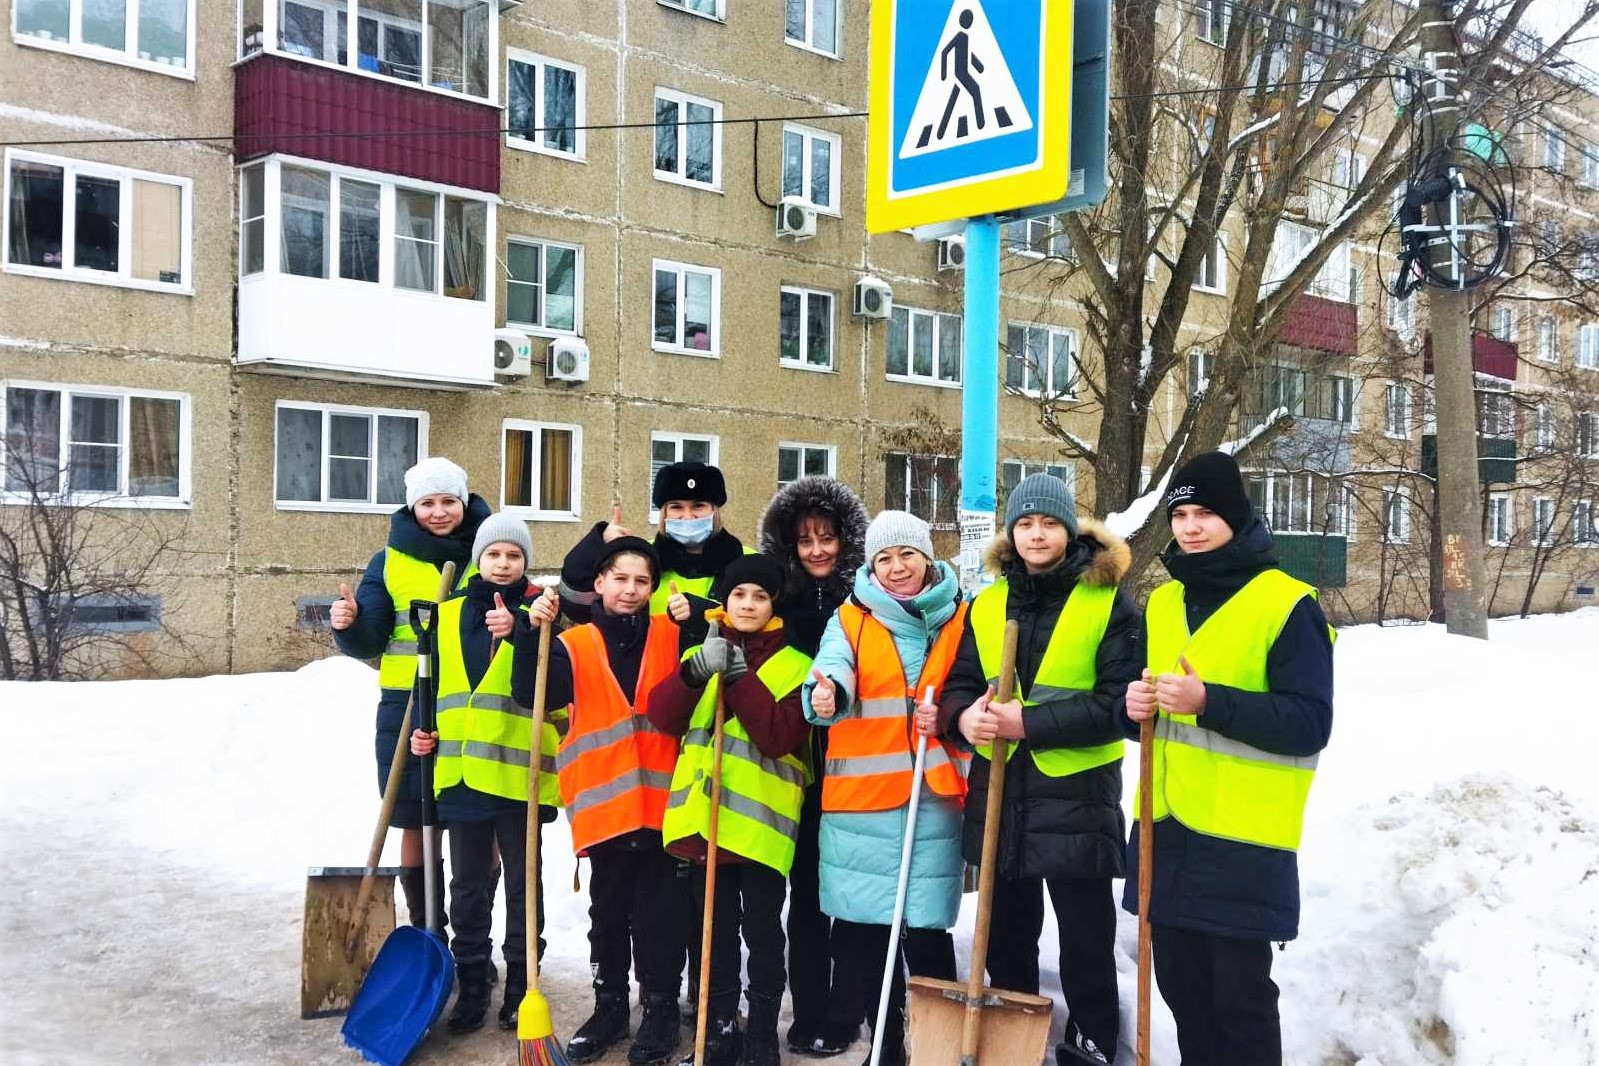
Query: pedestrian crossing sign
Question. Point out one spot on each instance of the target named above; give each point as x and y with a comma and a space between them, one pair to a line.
970, 108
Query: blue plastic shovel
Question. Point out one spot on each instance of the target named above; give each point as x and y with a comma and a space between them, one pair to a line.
412, 977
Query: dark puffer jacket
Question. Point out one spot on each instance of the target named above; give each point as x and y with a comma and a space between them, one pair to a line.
1054, 826
807, 602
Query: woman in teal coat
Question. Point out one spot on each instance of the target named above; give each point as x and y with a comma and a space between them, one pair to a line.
914, 596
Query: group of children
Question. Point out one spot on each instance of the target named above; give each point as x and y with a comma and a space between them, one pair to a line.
831, 649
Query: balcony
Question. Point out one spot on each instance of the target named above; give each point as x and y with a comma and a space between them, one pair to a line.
1496, 459
1320, 559
1322, 324
1489, 355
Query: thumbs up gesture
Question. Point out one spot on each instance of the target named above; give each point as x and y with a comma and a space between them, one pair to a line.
824, 696
344, 610
614, 528
1182, 693
677, 605
500, 620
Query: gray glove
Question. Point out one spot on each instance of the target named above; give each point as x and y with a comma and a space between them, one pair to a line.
717, 655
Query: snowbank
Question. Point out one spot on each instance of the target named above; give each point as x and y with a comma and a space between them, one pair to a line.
156, 836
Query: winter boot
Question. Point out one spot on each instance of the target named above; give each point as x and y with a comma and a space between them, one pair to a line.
723, 1042
605, 1026
1079, 1050
415, 893
760, 1032
824, 1041
472, 1001
893, 1040
658, 1031
515, 989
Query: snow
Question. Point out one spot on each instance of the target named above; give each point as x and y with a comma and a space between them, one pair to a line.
1125, 523
1249, 131
156, 835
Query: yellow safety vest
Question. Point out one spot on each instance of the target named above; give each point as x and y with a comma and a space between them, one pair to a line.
1211, 783
407, 578
689, 586
483, 734
761, 796
1068, 665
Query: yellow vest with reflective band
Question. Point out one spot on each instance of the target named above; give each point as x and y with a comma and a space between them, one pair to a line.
689, 586
1214, 784
483, 734
407, 578
761, 796
1067, 667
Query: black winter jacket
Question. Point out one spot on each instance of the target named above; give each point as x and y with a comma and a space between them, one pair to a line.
1054, 827
1226, 887
578, 571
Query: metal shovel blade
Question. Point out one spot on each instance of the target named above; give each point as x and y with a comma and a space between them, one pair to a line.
328, 980
1015, 1030
402, 997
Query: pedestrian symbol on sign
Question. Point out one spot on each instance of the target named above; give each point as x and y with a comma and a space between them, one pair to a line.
968, 94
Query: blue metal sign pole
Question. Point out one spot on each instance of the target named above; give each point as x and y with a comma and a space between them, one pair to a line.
979, 395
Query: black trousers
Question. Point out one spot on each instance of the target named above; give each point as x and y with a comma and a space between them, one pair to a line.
810, 932
472, 886
1085, 915
749, 901
927, 952
634, 913
1220, 992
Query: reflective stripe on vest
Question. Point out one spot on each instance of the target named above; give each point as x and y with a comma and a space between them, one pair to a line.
483, 735
1067, 667
761, 796
871, 749
615, 768
1217, 785
407, 578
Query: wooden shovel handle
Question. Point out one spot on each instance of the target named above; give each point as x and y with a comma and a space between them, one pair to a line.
534, 759
391, 797
702, 1012
971, 1030
1146, 865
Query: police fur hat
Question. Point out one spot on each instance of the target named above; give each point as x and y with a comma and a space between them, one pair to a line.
689, 481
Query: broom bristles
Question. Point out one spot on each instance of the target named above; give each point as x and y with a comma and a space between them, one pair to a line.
544, 1051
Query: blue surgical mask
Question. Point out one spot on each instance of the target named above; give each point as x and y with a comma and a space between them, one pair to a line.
690, 531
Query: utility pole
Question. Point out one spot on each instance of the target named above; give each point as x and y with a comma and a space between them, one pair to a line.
1459, 517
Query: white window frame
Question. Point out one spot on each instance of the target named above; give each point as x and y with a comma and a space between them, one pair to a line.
805, 295
1544, 427
128, 56
1216, 260
1588, 434
1399, 316
680, 269
682, 5
183, 501
835, 143
1053, 236
1201, 364
1395, 505
579, 154
830, 450
713, 441
535, 513
1497, 420
328, 410
1554, 149
71, 170
1065, 469
938, 486
269, 45
1588, 172
1543, 521
806, 44
542, 330
1210, 21
679, 177
1584, 532
910, 377
1588, 346
1548, 339
1501, 519
1389, 421
1074, 339
1502, 322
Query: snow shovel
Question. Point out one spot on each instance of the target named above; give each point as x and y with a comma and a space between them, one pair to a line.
982, 1024
349, 911
702, 1018
410, 981
1146, 874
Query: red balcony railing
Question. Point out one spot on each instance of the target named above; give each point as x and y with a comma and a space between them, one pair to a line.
1489, 355
1326, 325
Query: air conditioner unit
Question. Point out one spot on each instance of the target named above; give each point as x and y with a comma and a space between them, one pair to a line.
513, 354
873, 298
952, 253
796, 218
567, 360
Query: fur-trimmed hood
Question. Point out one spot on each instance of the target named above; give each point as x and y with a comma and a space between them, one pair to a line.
823, 495
1096, 556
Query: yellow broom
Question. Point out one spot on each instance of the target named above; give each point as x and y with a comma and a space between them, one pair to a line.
535, 1031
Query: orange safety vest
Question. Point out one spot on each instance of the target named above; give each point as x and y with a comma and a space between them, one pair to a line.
871, 753
615, 767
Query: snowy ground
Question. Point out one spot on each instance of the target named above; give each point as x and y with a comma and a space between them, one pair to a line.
156, 835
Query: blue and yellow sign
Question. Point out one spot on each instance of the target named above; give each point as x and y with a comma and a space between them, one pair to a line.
970, 110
